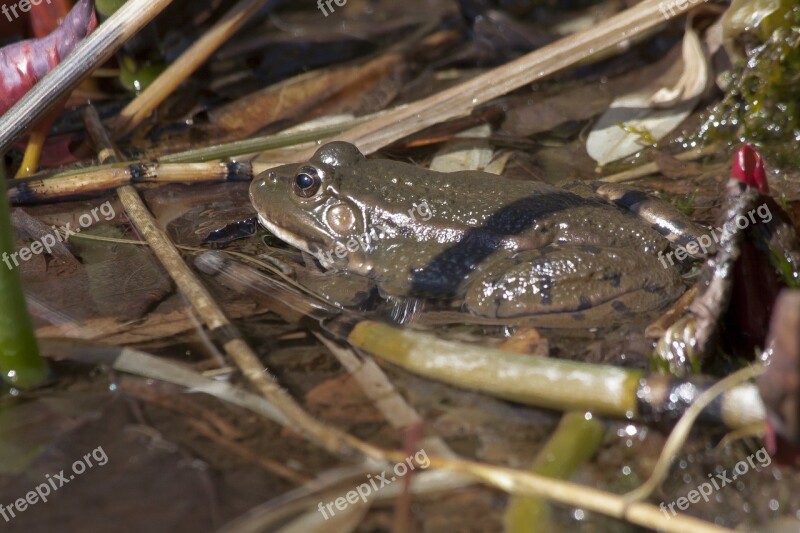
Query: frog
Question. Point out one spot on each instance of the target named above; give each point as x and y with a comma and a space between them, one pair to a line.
488, 245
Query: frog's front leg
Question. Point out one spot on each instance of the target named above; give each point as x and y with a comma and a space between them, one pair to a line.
583, 282
340, 288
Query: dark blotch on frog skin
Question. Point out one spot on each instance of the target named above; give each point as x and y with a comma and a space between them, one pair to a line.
619, 306
446, 272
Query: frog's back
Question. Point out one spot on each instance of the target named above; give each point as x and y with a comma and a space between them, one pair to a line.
529, 213
467, 198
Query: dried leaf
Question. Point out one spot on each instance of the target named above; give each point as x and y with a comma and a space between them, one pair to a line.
321, 91
24, 63
580, 103
469, 150
633, 120
693, 80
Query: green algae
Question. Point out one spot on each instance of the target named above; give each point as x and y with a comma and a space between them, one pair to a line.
761, 102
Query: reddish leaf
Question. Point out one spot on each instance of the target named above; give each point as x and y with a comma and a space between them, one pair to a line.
46, 16
24, 63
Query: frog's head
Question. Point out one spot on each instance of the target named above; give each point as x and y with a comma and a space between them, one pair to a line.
302, 205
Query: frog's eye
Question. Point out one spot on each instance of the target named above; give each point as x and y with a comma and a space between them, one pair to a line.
307, 182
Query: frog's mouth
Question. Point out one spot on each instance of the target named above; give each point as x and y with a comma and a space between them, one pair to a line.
285, 236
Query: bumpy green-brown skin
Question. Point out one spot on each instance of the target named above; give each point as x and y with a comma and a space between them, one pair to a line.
506, 248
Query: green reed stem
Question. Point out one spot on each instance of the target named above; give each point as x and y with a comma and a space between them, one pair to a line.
20, 363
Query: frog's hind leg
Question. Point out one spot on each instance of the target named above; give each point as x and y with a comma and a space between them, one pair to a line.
663, 217
581, 283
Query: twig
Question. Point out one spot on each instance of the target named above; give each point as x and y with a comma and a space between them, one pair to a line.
106, 151
183, 67
311, 131
399, 413
165, 396
91, 52
103, 179
247, 454
659, 326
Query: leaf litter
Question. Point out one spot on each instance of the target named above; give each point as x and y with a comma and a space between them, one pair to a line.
204, 485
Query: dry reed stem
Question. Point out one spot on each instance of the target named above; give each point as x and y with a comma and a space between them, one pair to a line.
183, 67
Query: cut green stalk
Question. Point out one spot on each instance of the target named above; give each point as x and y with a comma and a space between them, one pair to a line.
575, 441
547, 382
20, 363
542, 381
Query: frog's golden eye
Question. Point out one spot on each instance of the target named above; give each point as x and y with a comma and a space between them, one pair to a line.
307, 182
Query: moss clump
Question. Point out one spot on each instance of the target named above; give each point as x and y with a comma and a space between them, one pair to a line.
761, 104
